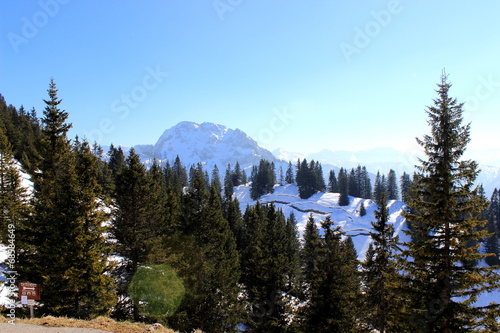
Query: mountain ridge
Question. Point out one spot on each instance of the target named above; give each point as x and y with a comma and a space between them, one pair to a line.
215, 144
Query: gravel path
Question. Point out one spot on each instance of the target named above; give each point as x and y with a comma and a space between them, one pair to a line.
27, 328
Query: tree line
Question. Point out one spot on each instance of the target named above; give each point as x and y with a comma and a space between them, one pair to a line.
249, 268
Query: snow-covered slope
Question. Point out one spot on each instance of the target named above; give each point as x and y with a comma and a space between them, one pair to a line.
323, 204
208, 143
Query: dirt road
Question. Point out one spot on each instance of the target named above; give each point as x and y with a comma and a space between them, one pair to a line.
27, 328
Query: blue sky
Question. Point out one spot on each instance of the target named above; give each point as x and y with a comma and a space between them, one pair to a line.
298, 74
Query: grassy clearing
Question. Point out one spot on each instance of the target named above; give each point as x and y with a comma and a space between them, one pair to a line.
101, 323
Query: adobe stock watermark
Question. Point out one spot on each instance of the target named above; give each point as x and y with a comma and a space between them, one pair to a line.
31, 25
280, 120
223, 6
10, 282
122, 106
363, 36
484, 90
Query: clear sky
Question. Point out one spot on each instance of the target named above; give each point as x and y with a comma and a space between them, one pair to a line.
298, 74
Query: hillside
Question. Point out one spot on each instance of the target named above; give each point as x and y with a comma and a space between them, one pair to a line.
322, 204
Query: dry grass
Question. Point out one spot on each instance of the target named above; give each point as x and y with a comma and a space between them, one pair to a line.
101, 323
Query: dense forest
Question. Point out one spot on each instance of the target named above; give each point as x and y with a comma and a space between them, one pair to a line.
95, 225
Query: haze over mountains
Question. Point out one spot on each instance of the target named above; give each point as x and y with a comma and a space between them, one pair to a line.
215, 144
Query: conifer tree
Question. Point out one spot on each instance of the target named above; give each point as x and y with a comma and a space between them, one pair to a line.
281, 176
343, 183
216, 179
289, 178
392, 192
362, 209
65, 250
492, 243
228, 184
352, 184
116, 160
380, 186
263, 179
232, 213
238, 175
176, 177
305, 179
310, 253
381, 303
364, 183
132, 226
319, 179
211, 303
104, 176
163, 207
335, 293
405, 184
91, 268
445, 207
292, 253
266, 267
14, 206
332, 182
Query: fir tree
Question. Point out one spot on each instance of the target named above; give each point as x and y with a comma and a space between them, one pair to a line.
263, 179
353, 184
65, 249
332, 182
228, 183
90, 270
289, 174
319, 180
343, 183
116, 160
362, 209
492, 243
381, 303
132, 226
292, 253
392, 191
176, 177
211, 303
444, 210
14, 206
310, 254
380, 187
333, 305
104, 176
216, 179
238, 175
405, 184
267, 267
365, 183
305, 179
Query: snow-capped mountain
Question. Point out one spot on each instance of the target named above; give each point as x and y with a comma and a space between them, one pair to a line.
207, 143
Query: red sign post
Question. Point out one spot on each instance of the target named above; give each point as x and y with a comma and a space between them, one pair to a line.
30, 291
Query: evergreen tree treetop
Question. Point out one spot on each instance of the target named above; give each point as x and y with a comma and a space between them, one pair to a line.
445, 208
55, 119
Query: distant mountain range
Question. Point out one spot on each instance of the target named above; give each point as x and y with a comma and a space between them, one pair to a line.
214, 144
